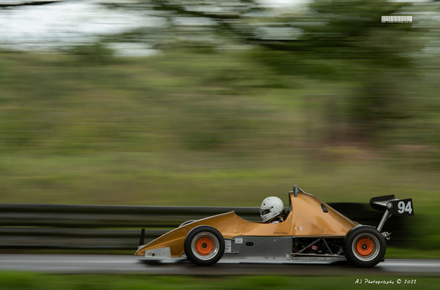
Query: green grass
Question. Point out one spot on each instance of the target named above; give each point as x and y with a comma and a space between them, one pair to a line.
408, 253
209, 179
34, 281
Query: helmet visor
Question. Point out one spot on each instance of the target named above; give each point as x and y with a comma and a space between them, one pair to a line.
264, 211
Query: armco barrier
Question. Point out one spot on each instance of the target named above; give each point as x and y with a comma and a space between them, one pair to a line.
118, 227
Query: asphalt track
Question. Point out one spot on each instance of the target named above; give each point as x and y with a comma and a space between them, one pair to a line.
111, 264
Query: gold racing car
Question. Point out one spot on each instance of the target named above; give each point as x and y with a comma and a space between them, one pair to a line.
311, 231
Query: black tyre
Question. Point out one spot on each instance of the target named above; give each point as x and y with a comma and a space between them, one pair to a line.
204, 245
364, 247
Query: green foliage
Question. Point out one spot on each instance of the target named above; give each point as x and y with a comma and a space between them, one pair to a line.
335, 40
208, 127
97, 53
352, 44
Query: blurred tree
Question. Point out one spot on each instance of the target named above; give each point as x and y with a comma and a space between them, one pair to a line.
333, 40
97, 52
10, 4
361, 49
336, 40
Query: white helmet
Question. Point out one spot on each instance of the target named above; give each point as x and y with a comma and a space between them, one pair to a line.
271, 207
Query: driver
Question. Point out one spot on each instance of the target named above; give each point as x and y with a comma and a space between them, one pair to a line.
272, 210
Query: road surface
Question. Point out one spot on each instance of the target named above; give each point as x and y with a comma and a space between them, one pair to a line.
107, 264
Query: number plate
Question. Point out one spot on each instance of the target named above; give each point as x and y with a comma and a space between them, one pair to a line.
401, 207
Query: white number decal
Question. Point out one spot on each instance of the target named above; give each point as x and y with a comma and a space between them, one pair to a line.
403, 208
408, 207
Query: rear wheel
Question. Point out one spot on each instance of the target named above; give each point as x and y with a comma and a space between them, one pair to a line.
204, 245
364, 247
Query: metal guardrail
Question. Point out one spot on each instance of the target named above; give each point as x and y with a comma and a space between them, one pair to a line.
118, 227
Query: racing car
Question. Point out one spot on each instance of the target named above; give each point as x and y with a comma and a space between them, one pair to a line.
311, 231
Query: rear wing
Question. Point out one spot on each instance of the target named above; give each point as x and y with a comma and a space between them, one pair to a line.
395, 206
392, 206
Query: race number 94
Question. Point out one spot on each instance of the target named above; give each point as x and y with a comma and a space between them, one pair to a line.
401, 207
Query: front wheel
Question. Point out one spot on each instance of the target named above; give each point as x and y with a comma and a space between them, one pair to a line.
364, 247
204, 245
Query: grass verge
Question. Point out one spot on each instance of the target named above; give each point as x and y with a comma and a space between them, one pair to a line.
34, 281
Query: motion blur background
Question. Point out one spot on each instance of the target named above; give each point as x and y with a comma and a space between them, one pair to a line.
221, 103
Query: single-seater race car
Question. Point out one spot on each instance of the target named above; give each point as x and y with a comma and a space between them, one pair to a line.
311, 231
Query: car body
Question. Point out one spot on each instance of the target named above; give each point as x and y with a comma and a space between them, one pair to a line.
311, 230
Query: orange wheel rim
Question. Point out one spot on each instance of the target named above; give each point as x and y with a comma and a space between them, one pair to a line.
204, 246
364, 247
